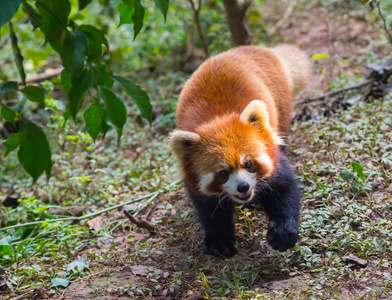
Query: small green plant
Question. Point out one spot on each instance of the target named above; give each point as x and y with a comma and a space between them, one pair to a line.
357, 178
75, 268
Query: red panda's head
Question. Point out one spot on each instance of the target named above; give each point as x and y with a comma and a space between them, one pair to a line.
229, 154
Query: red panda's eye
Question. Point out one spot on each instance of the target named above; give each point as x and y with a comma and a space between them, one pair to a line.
223, 174
248, 164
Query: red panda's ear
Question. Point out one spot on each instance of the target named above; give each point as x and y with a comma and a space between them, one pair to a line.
182, 142
256, 113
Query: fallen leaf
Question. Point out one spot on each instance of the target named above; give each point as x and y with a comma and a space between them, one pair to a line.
95, 224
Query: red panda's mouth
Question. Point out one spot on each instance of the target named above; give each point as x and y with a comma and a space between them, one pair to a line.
243, 197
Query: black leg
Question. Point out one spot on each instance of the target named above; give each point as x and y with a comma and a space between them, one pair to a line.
216, 218
281, 198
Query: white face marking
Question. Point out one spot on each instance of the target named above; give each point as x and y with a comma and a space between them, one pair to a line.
264, 160
237, 177
205, 181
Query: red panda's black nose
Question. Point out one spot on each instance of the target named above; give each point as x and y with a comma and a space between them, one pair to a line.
243, 187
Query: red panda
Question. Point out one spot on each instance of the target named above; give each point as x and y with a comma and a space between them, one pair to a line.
233, 117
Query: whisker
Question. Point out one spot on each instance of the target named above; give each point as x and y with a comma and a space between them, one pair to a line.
220, 200
265, 183
261, 189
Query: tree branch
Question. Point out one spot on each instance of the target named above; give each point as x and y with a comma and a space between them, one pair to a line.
196, 17
141, 223
284, 19
43, 76
152, 196
333, 93
384, 21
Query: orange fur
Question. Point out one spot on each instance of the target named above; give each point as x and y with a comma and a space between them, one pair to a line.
219, 121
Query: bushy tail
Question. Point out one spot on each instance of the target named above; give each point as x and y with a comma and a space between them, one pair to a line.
297, 63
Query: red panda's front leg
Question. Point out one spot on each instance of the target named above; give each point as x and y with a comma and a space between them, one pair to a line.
216, 217
281, 198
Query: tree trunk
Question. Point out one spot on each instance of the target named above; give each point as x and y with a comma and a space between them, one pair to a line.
235, 14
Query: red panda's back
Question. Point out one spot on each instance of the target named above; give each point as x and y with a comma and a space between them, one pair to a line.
228, 82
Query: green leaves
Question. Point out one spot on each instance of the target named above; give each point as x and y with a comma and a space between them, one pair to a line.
34, 17
74, 268
6, 250
18, 56
83, 3
163, 5
8, 115
126, 11
359, 170
66, 81
60, 282
54, 19
137, 17
73, 53
346, 174
8, 9
104, 77
11, 143
357, 178
9, 86
131, 11
93, 118
77, 90
320, 56
34, 153
34, 93
95, 39
139, 96
115, 112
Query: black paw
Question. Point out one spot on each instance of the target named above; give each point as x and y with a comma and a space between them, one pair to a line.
282, 235
220, 246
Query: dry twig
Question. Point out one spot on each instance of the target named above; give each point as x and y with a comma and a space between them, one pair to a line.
43, 76
334, 93
141, 223
384, 21
196, 16
151, 197
284, 19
